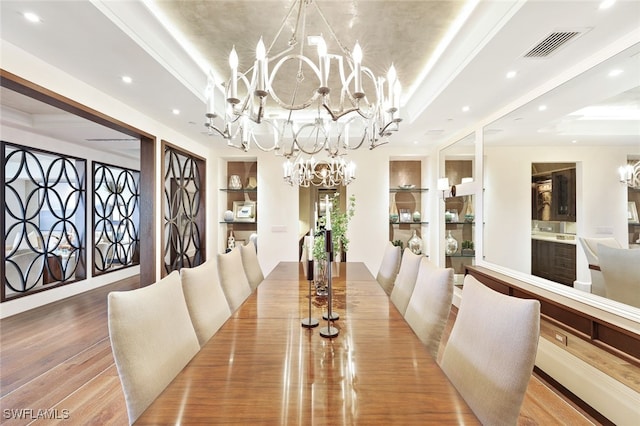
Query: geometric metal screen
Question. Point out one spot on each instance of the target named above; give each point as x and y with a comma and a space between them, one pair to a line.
183, 213
116, 218
44, 220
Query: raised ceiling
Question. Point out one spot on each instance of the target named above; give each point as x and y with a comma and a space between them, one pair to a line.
98, 41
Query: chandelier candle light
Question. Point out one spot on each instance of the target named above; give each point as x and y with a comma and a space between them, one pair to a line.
266, 110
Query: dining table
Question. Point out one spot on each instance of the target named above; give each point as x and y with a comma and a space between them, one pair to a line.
263, 367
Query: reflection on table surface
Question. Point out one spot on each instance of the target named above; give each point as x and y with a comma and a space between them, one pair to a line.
263, 367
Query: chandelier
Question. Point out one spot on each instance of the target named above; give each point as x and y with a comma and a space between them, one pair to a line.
325, 173
295, 103
630, 174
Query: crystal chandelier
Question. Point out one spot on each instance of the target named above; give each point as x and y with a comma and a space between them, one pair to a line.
326, 173
293, 103
630, 175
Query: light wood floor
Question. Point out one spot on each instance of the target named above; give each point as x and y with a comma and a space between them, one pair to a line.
58, 357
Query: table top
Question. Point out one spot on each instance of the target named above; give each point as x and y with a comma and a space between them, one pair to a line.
263, 367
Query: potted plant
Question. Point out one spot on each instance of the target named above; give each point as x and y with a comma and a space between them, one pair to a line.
398, 243
467, 248
339, 225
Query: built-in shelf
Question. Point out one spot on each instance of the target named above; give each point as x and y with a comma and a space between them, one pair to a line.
235, 199
408, 190
239, 190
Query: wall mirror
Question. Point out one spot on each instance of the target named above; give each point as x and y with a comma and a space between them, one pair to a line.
591, 121
456, 165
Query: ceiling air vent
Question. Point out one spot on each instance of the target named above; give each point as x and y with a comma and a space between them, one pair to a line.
551, 43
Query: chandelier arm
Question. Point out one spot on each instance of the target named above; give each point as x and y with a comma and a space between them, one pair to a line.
241, 146
211, 127
335, 116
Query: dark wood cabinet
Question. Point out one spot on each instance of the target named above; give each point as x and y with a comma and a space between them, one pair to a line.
563, 202
553, 261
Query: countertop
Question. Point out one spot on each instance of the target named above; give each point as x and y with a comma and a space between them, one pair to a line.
554, 237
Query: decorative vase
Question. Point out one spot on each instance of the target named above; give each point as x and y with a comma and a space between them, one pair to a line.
415, 243
228, 216
417, 216
252, 183
468, 211
235, 182
448, 216
394, 217
450, 244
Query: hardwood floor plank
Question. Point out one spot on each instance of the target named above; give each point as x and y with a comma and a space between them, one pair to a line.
36, 341
98, 402
55, 384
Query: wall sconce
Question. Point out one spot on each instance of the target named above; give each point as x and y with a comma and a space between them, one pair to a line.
630, 175
443, 185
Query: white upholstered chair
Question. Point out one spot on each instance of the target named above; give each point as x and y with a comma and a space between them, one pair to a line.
590, 247
24, 271
389, 267
152, 339
251, 265
621, 272
428, 309
103, 255
405, 280
233, 278
491, 351
207, 304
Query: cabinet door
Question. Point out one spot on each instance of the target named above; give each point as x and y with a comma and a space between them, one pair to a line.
563, 204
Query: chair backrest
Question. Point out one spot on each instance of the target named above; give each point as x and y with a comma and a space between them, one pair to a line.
251, 265
207, 304
406, 280
491, 351
428, 309
152, 339
103, 255
26, 273
233, 278
621, 271
590, 247
389, 267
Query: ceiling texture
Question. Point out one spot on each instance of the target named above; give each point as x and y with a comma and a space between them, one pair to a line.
448, 54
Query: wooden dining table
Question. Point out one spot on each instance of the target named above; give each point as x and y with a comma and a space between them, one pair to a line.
263, 367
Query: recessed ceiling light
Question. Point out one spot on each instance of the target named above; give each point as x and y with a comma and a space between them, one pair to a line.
127, 79
542, 107
511, 74
615, 73
31, 17
606, 4
574, 141
465, 108
175, 111
415, 142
